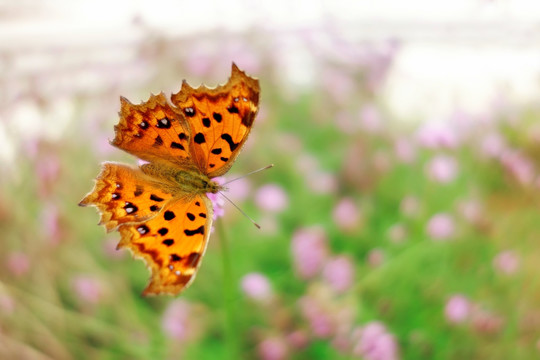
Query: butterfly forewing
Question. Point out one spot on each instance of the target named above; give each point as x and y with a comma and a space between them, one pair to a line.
172, 243
220, 120
153, 131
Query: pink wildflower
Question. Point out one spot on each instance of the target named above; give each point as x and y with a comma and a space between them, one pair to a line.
217, 201
88, 289
272, 198
376, 343
339, 273
506, 262
441, 227
457, 309
256, 286
375, 257
18, 263
273, 348
309, 250
346, 214
410, 206
442, 168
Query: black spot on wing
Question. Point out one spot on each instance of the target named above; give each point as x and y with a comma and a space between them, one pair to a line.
169, 242
232, 109
175, 257
115, 196
155, 198
164, 123
189, 111
203, 215
163, 231
247, 119
158, 141
176, 145
229, 140
216, 151
182, 136
138, 190
224, 159
191, 216
143, 229
130, 208
154, 208
199, 138
169, 215
217, 117
199, 230
193, 259
206, 122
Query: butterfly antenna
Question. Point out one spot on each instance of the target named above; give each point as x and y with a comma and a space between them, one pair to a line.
243, 213
249, 173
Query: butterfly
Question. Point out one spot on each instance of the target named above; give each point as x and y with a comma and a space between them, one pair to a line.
161, 208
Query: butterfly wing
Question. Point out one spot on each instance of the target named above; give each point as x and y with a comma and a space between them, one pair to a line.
220, 120
172, 244
125, 195
169, 231
153, 131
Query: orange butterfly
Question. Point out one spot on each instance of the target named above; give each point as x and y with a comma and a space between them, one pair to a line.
161, 209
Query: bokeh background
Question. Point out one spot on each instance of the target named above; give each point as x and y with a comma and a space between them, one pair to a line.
401, 219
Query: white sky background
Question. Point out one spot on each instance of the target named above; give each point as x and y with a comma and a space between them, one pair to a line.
455, 54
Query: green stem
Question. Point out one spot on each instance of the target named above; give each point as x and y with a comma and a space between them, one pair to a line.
228, 295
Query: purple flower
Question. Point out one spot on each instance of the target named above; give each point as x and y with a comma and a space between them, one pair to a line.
318, 316
485, 322
50, 220
442, 168
257, 287
322, 182
404, 150
410, 206
176, 320
471, 210
519, 166
217, 201
376, 257
339, 273
397, 233
239, 189
88, 289
18, 263
506, 262
273, 348
7, 304
370, 119
309, 250
492, 145
376, 343
272, 198
298, 339
441, 227
346, 214
436, 135
457, 309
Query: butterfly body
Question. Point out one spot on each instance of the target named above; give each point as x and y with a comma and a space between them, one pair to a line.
160, 208
189, 180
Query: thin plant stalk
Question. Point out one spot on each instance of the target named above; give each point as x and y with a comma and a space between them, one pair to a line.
231, 337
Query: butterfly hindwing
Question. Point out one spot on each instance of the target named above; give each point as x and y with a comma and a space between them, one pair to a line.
220, 120
125, 195
172, 243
